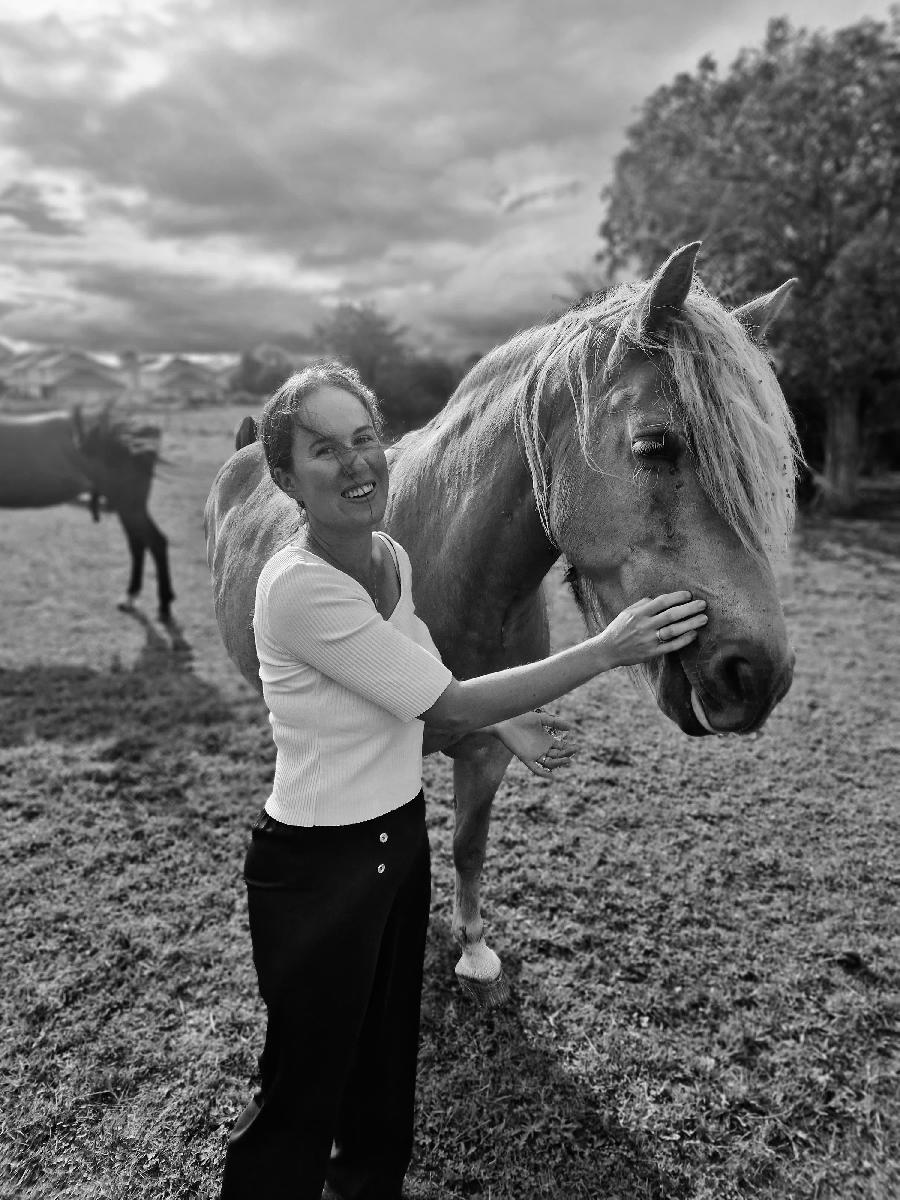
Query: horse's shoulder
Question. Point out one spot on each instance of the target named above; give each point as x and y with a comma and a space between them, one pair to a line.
238, 476
246, 515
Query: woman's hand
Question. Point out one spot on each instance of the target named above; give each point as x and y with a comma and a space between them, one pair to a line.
538, 739
649, 628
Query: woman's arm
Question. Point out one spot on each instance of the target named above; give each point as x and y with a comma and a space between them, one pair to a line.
640, 632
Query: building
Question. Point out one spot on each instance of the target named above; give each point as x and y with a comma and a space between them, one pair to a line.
178, 381
48, 377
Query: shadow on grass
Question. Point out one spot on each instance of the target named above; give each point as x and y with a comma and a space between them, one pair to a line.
500, 1117
158, 694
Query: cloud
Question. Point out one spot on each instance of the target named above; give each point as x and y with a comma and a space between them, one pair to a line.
442, 160
32, 208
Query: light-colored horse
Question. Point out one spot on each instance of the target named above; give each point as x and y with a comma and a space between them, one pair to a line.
643, 436
54, 457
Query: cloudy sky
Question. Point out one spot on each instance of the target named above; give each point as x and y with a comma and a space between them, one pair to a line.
206, 174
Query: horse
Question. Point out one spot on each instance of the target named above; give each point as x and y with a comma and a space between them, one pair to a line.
643, 436
55, 457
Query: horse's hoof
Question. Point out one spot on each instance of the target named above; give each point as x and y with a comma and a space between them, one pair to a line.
487, 993
481, 976
126, 605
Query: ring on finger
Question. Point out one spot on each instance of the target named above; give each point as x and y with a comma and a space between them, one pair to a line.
659, 635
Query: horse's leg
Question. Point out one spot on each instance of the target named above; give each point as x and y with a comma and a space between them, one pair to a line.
478, 767
137, 546
143, 534
158, 544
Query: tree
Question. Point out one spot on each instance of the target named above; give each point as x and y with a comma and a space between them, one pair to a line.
261, 370
412, 387
788, 165
361, 335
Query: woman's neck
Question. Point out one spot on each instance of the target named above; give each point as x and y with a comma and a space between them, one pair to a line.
352, 554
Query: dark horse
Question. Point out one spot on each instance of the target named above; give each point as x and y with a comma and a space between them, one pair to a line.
643, 436
52, 458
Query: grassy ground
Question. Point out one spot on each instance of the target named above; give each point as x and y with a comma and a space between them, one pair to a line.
702, 936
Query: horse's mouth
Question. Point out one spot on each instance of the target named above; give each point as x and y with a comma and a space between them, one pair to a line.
697, 710
690, 712
683, 700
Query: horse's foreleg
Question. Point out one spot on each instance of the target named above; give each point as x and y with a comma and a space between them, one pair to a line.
479, 764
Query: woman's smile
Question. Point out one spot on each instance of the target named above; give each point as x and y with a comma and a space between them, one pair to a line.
360, 492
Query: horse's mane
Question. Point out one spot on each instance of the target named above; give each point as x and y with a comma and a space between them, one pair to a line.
720, 385
109, 435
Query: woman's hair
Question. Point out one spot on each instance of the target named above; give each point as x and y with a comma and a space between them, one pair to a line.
279, 417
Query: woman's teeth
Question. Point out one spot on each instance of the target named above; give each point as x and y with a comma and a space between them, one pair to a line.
359, 493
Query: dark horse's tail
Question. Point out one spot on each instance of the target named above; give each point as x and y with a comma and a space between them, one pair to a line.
246, 434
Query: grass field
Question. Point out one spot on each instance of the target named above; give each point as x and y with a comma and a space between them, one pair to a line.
702, 936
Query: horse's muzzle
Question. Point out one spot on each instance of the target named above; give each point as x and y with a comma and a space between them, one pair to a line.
734, 690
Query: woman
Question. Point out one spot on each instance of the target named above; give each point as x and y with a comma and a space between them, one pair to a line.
338, 873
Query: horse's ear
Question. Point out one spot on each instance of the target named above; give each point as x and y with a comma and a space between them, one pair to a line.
757, 315
669, 287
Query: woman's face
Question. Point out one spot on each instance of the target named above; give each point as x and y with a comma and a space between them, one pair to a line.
338, 467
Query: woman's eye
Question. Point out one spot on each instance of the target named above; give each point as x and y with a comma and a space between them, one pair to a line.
322, 451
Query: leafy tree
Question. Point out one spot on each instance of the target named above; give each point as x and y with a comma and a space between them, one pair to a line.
412, 387
361, 335
787, 165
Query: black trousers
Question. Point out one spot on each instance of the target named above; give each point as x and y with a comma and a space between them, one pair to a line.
338, 917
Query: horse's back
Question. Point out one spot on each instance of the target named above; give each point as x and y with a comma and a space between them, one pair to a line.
245, 520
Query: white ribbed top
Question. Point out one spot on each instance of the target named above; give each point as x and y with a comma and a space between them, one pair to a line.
344, 687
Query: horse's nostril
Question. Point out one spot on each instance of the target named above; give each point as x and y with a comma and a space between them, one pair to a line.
738, 679
741, 682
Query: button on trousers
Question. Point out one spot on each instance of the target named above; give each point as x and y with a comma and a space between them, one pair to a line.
338, 918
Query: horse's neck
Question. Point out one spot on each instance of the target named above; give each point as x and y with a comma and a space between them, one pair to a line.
464, 507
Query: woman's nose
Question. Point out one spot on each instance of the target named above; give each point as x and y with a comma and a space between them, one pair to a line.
352, 459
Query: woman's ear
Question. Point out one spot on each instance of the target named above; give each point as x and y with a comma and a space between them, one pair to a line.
287, 481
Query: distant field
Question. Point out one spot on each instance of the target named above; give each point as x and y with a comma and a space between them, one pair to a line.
702, 936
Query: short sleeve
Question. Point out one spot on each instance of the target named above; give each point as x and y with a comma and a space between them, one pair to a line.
323, 618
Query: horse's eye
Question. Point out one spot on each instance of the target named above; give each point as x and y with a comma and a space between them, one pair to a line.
655, 443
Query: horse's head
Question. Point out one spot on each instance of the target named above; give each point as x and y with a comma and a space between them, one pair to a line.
118, 455
674, 468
